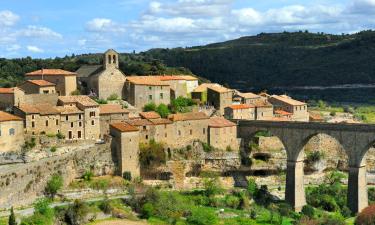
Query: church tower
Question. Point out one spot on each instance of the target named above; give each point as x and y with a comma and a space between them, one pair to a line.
111, 59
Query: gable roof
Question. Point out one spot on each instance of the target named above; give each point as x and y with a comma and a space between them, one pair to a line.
219, 122
139, 122
248, 95
51, 72
42, 109
150, 115
283, 113
124, 127
177, 77
6, 90
203, 87
241, 106
188, 116
220, 89
65, 110
4, 117
288, 100
81, 99
41, 83
112, 109
146, 80
160, 121
88, 70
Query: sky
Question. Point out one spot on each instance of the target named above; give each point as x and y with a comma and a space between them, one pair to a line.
45, 28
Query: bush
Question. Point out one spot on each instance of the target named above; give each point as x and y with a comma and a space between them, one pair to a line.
101, 101
151, 154
229, 149
76, 92
252, 187
308, 211
59, 135
54, 185
76, 213
53, 149
202, 216
149, 107
182, 105
113, 97
147, 210
314, 156
366, 217
87, 176
43, 214
105, 206
207, 147
328, 203
333, 113
127, 175
232, 201
163, 110
212, 186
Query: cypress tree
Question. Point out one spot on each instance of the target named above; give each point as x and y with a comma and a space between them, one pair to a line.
12, 218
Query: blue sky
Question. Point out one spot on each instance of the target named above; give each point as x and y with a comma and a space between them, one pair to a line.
45, 28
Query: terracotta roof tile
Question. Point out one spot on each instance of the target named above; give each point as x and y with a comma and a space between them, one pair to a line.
177, 77
220, 89
139, 122
283, 113
203, 87
42, 109
218, 122
146, 80
81, 99
188, 116
112, 109
260, 104
65, 110
6, 90
4, 117
288, 100
241, 106
160, 121
41, 83
248, 95
51, 72
150, 115
124, 127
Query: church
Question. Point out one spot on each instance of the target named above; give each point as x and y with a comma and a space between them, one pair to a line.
104, 80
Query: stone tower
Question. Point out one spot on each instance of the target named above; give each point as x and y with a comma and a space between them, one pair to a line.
111, 59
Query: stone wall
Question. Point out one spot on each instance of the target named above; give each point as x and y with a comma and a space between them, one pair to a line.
21, 184
33, 99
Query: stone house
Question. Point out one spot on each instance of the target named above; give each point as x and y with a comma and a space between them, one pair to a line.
181, 85
66, 82
264, 110
220, 97
103, 80
223, 134
283, 114
287, 104
38, 87
11, 132
125, 144
141, 90
146, 129
200, 93
71, 122
241, 112
247, 98
10, 97
111, 113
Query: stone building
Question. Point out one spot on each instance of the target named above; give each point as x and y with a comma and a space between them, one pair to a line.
66, 82
126, 146
141, 90
240, 112
222, 134
38, 87
247, 98
11, 132
220, 97
111, 113
103, 80
181, 85
200, 93
264, 110
10, 97
296, 108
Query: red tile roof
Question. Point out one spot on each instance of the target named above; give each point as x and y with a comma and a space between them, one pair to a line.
241, 106
124, 127
150, 115
176, 77
188, 116
283, 113
139, 122
160, 121
50, 72
146, 80
41, 83
6, 90
81, 99
287, 100
112, 109
218, 122
42, 109
4, 117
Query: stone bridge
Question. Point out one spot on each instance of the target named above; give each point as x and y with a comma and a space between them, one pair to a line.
356, 139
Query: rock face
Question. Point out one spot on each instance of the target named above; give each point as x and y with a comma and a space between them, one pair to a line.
21, 184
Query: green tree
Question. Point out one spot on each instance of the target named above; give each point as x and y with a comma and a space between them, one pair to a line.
149, 107
12, 218
163, 110
202, 216
54, 185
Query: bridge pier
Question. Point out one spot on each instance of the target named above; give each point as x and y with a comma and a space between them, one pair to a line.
357, 189
294, 189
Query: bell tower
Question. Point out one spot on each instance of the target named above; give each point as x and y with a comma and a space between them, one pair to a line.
110, 59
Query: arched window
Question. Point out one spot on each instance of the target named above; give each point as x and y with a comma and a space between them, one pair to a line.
114, 59
11, 131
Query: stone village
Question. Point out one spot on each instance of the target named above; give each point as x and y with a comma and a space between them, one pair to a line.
46, 105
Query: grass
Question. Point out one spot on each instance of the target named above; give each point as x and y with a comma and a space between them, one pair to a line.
4, 221
100, 183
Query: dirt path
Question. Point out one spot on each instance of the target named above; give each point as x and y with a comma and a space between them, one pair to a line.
121, 222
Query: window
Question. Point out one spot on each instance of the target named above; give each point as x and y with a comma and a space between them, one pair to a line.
109, 59
80, 116
191, 132
144, 127
92, 122
66, 118
179, 133
80, 124
32, 116
161, 96
92, 114
114, 59
11, 131
0, 133
146, 137
204, 130
165, 135
149, 88
57, 122
45, 92
46, 123
150, 97
32, 124
79, 134
71, 124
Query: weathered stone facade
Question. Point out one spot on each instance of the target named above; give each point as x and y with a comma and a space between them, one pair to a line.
11, 133
285, 103
220, 97
10, 97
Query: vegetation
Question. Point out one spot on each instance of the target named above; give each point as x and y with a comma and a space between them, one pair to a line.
149, 107
12, 217
88, 175
101, 101
163, 110
113, 97
151, 154
54, 185
366, 217
43, 215
182, 105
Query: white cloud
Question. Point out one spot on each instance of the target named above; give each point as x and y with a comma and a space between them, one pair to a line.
13, 47
8, 18
38, 32
34, 49
104, 25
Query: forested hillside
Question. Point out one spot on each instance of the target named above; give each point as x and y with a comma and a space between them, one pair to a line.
280, 59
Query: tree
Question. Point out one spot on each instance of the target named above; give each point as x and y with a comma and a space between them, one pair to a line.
54, 185
163, 110
12, 218
149, 107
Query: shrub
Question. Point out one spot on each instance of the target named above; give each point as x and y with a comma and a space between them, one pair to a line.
76, 92
202, 216
206, 147
76, 213
101, 101
229, 149
212, 186
87, 176
252, 187
53, 149
328, 203
112, 97
163, 110
149, 107
147, 210
12, 218
50, 135
59, 135
105, 206
366, 217
308, 211
182, 105
54, 185
232, 201
151, 154
333, 113
127, 175
314, 156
